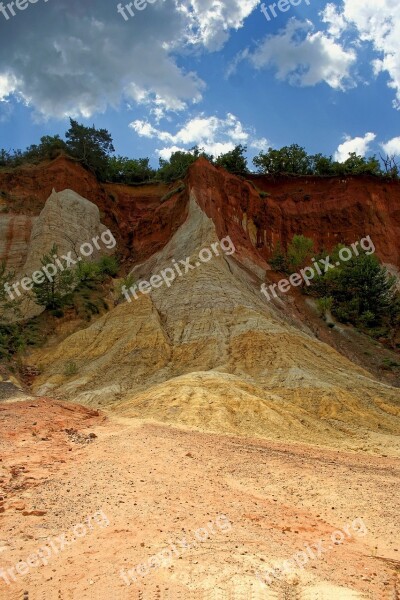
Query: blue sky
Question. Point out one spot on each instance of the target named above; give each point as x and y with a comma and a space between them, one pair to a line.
206, 72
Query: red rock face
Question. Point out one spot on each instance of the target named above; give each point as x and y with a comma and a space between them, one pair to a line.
140, 221
327, 210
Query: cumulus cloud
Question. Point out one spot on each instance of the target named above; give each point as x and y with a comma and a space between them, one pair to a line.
213, 134
359, 145
392, 147
336, 23
209, 21
304, 57
8, 84
77, 58
376, 22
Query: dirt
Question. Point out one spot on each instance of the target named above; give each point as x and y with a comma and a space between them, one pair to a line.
139, 488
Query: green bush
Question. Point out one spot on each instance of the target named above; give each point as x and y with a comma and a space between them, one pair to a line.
278, 259
324, 305
108, 265
298, 252
70, 369
171, 193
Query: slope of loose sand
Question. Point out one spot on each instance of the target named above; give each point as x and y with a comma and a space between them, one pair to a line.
210, 352
157, 484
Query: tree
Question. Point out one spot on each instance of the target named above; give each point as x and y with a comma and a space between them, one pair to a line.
362, 286
322, 165
9, 305
51, 292
289, 160
358, 165
91, 146
298, 252
178, 164
278, 258
391, 166
393, 319
50, 146
5, 158
234, 161
129, 170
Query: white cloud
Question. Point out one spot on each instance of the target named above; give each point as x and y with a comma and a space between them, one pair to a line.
392, 147
165, 153
376, 22
304, 57
209, 21
63, 60
215, 135
334, 19
359, 145
8, 84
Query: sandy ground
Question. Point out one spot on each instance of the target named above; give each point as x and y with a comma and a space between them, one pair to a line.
90, 506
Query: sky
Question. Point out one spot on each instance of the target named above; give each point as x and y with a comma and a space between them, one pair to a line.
212, 73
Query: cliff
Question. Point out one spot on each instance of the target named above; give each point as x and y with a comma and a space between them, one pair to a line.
328, 210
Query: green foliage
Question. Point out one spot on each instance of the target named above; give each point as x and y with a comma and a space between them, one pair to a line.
298, 252
70, 369
49, 148
94, 148
6, 302
294, 160
87, 271
51, 294
278, 258
296, 257
16, 337
91, 146
288, 160
390, 364
324, 305
5, 158
171, 193
178, 164
129, 170
125, 283
108, 265
234, 161
363, 293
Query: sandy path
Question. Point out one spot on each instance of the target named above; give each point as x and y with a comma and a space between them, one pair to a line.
156, 485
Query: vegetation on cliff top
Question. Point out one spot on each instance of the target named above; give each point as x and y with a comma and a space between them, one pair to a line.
94, 149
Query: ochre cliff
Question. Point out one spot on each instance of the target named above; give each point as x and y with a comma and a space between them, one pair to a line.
329, 210
140, 221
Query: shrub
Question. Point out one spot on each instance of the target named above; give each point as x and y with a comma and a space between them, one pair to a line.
299, 250
324, 305
171, 193
87, 271
70, 369
108, 265
278, 258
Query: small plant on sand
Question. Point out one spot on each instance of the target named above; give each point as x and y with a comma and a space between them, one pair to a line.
70, 369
